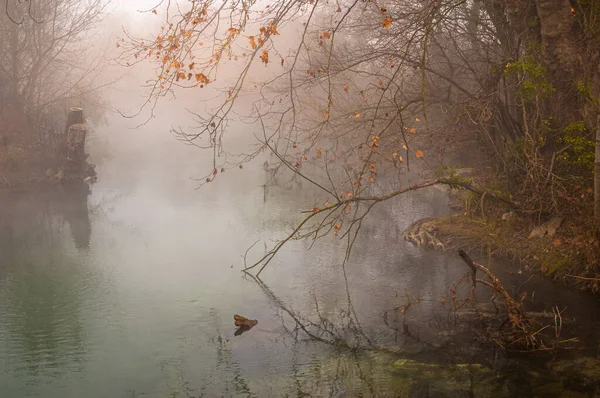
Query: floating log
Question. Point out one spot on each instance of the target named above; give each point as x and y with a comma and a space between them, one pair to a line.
244, 324
243, 321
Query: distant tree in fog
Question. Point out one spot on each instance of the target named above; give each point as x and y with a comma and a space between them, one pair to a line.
45, 61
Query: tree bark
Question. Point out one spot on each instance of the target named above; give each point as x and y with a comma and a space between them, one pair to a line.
597, 176
562, 57
556, 27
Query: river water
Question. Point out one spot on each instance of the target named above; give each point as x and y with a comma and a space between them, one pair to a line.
131, 292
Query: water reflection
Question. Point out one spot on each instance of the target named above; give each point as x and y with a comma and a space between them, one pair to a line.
42, 289
136, 298
75, 210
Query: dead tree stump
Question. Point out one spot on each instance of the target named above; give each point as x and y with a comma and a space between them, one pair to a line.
75, 116
75, 165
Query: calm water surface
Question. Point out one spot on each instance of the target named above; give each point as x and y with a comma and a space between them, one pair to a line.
131, 292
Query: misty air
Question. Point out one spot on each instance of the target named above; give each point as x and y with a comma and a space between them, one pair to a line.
299, 198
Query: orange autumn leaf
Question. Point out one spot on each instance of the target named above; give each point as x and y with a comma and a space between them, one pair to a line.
201, 78
273, 29
419, 153
371, 179
319, 153
413, 130
316, 209
418, 120
386, 23
252, 42
264, 57
337, 227
346, 88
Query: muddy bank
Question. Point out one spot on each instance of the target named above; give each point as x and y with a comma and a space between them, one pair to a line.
556, 247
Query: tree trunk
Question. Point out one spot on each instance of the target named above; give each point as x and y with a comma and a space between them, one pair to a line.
562, 57
597, 176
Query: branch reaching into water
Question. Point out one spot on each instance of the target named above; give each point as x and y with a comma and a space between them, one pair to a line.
345, 204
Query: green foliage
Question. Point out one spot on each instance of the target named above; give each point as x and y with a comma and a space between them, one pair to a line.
582, 150
585, 90
534, 82
444, 171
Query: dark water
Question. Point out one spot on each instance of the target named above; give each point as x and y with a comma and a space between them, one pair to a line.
131, 293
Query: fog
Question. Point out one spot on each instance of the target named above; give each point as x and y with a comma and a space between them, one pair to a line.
308, 144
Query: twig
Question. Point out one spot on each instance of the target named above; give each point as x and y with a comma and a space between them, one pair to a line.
583, 278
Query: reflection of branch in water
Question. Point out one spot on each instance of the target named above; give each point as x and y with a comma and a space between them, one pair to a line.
282, 306
328, 333
351, 309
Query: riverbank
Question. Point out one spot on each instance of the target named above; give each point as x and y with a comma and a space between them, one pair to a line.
559, 248
32, 163
39, 179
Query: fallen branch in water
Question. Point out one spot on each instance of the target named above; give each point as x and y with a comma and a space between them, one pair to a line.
525, 331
